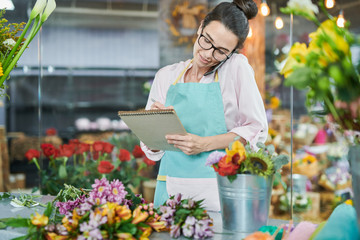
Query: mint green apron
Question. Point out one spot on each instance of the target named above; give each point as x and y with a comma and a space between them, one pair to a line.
201, 111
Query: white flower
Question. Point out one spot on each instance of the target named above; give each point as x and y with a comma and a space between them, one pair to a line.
50, 7
305, 6
9, 43
38, 8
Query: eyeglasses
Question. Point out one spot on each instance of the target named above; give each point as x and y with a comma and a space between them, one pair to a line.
206, 44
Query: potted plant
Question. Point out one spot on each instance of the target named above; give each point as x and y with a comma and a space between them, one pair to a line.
245, 178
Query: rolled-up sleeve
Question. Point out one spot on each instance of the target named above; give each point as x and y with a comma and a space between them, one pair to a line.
246, 117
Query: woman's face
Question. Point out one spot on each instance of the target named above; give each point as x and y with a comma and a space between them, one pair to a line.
220, 37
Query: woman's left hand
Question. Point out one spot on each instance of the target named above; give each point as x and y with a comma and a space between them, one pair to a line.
190, 144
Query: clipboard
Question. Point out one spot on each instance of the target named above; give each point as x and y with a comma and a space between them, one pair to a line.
151, 126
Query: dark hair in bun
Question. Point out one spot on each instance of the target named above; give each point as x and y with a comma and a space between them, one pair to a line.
234, 16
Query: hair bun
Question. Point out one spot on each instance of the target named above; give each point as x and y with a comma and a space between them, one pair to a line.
248, 7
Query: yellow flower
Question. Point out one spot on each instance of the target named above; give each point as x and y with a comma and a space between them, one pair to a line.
125, 236
156, 224
123, 212
39, 220
274, 102
109, 211
146, 233
328, 32
309, 159
236, 148
1, 70
297, 58
272, 132
139, 216
349, 202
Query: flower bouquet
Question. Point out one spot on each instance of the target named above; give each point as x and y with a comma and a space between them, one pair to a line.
79, 164
11, 46
325, 68
186, 217
240, 159
105, 212
245, 179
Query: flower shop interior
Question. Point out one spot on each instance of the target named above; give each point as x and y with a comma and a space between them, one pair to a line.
93, 58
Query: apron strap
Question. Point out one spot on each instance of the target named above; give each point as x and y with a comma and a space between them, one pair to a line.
182, 73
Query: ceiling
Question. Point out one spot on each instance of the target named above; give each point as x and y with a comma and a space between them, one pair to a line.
142, 14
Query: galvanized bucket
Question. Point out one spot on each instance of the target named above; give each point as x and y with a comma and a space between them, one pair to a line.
245, 202
354, 159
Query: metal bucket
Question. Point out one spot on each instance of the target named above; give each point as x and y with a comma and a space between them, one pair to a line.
245, 202
298, 183
354, 159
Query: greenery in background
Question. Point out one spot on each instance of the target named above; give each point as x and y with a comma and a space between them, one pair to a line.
11, 46
325, 67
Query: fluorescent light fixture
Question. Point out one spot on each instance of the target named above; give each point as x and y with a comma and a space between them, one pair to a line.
7, 5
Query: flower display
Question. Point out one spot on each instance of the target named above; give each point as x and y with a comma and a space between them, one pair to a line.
240, 159
186, 217
106, 211
325, 68
12, 46
79, 164
301, 202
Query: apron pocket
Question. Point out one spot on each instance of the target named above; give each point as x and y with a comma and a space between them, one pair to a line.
197, 189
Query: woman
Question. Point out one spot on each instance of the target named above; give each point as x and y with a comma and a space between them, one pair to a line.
216, 98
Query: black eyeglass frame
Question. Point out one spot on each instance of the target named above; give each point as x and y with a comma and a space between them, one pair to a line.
214, 48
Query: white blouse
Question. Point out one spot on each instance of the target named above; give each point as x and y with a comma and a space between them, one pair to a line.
243, 106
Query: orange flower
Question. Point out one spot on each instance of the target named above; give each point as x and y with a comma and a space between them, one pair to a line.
125, 236
39, 220
139, 216
156, 224
259, 236
123, 212
309, 159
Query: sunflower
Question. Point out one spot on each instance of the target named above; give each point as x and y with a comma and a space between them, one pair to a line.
258, 163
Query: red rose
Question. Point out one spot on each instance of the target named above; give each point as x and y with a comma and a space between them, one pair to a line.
49, 150
67, 150
105, 167
51, 132
32, 153
124, 155
76, 144
225, 169
137, 152
83, 147
149, 162
107, 147
95, 155
98, 146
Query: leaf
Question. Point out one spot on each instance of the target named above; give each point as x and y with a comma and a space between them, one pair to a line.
280, 160
260, 145
48, 210
299, 78
62, 172
271, 149
129, 228
2, 225
231, 177
278, 178
16, 222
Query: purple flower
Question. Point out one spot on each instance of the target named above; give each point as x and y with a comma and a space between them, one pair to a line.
69, 206
188, 227
190, 204
203, 229
175, 231
214, 157
177, 198
117, 192
101, 187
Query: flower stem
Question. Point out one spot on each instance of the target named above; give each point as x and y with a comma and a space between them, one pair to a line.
12, 64
36, 163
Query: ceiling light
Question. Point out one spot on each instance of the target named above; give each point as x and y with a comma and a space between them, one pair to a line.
7, 5
279, 23
264, 8
340, 22
329, 3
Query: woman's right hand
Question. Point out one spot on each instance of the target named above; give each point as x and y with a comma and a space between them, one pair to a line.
159, 105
